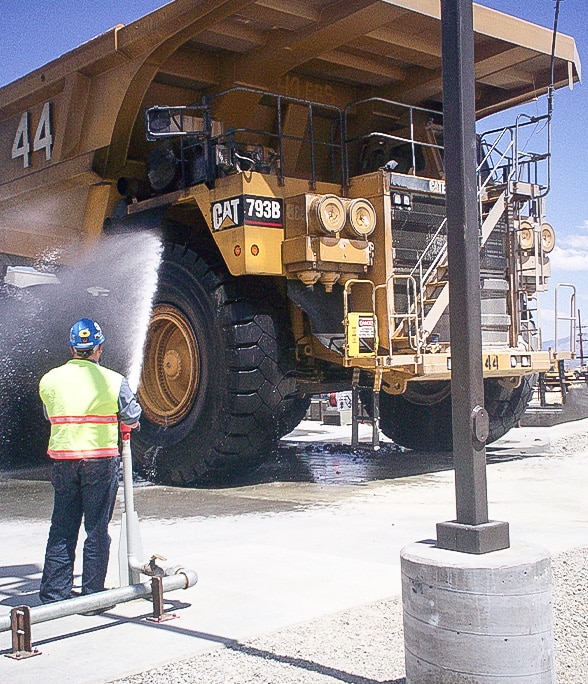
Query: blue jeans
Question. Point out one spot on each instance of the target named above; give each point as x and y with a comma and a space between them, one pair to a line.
83, 489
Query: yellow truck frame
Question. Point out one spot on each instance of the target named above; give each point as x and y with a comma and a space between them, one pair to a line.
292, 156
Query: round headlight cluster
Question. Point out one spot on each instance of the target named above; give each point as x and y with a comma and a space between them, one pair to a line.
362, 217
333, 214
547, 238
526, 236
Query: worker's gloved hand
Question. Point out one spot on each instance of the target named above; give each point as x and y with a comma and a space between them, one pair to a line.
136, 426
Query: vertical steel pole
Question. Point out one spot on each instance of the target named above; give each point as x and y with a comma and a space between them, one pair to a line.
542, 397
355, 409
561, 374
471, 532
581, 339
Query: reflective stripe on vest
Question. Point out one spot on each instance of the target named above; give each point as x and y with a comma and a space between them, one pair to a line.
76, 455
61, 420
81, 400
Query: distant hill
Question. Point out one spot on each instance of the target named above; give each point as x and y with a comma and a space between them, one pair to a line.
562, 344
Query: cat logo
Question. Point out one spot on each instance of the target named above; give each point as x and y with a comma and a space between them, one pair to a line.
227, 213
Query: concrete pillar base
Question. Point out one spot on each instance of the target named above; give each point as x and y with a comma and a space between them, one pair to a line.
477, 619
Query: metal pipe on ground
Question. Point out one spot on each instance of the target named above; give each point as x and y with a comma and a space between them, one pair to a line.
182, 579
131, 568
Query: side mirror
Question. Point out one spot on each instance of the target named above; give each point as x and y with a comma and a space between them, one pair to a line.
158, 123
159, 120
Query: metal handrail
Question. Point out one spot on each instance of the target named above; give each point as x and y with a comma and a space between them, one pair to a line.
442, 253
402, 105
519, 162
436, 259
280, 100
571, 318
411, 315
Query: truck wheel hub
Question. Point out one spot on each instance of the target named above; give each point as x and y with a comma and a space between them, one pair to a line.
170, 375
172, 364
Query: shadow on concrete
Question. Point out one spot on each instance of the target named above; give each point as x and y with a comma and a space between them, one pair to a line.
20, 585
231, 644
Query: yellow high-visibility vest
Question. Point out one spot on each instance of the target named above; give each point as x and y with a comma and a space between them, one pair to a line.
81, 400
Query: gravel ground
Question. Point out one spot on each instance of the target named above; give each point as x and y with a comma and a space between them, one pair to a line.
365, 645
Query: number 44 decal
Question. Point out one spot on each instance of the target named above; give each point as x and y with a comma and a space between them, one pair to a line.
491, 362
43, 140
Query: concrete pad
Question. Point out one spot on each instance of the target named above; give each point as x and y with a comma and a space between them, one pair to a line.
279, 552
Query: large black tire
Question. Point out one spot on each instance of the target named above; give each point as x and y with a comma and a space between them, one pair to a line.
216, 387
294, 410
506, 405
420, 419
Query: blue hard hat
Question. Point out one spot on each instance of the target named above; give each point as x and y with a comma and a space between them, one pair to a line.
85, 334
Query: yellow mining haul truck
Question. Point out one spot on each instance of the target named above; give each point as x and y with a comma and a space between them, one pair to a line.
291, 153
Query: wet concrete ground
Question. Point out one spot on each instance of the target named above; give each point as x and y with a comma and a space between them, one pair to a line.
309, 456
316, 531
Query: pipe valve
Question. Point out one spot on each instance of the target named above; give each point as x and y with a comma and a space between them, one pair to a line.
151, 568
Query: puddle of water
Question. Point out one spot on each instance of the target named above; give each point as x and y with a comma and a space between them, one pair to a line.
336, 464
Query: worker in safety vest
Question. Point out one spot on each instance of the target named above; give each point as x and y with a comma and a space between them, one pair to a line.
84, 403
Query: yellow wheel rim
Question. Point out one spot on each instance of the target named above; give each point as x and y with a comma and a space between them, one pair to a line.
170, 374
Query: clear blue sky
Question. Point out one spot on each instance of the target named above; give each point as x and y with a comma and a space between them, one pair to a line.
567, 203
33, 33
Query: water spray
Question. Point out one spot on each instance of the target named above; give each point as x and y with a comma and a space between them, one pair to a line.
112, 281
